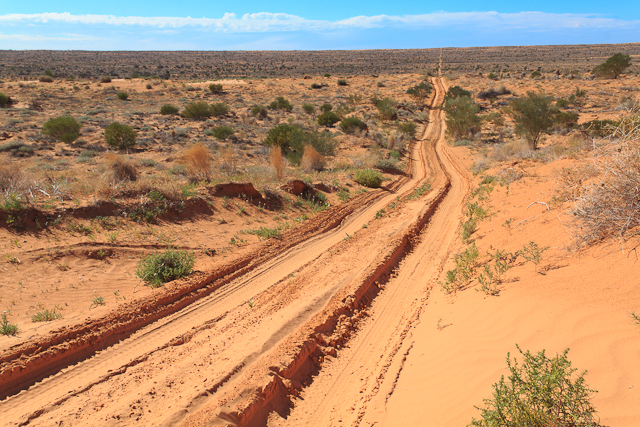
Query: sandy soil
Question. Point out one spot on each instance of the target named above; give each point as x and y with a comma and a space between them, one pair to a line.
341, 321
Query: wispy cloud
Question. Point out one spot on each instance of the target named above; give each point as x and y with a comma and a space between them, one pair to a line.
279, 22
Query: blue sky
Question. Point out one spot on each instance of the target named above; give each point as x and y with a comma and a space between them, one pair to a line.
293, 25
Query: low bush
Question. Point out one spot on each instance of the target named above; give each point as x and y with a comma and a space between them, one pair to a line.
328, 118
123, 96
600, 128
327, 75
456, 92
219, 109
351, 125
7, 328
120, 136
408, 127
4, 100
326, 107
46, 316
259, 111
541, 391
566, 119
198, 110
161, 268
167, 109
215, 88
342, 82
120, 168
387, 108
421, 92
309, 108
197, 160
462, 117
63, 128
316, 86
45, 79
105, 79
368, 178
281, 104
222, 132
17, 149
311, 160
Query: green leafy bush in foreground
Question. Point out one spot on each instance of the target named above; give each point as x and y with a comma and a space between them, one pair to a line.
368, 178
63, 128
120, 136
164, 267
539, 393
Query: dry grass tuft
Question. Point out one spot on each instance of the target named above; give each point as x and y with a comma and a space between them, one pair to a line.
12, 180
120, 169
312, 160
197, 159
229, 160
609, 206
392, 142
277, 161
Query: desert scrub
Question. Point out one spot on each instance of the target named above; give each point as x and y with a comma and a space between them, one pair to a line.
215, 88
45, 79
350, 125
168, 109
420, 93
219, 109
7, 328
309, 108
328, 118
342, 82
164, 267
222, 132
539, 392
462, 117
46, 316
105, 79
4, 100
386, 108
368, 178
199, 110
533, 115
63, 128
464, 271
123, 96
281, 104
408, 128
120, 136
17, 149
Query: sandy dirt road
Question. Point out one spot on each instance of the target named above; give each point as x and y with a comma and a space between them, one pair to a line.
242, 353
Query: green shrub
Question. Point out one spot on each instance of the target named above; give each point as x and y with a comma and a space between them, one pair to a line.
17, 148
327, 75
120, 136
63, 128
259, 111
533, 115
219, 109
328, 118
456, 92
613, 67
567, 119
4, 100
350, 125
292, 139
199, 110
281, 104
222, 132
562, 103
323, 142
46, 316
164, 267
600, 128
387, 108
148, 86
342, 82
122, 95
326, 108
421, 92
7, 328
45, 79
105, 79
409, 128
309, 108
368, 178
462, 118
316, 86
215, 88
535, 74
167, 109
539, 392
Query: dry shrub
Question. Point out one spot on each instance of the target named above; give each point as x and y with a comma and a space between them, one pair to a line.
609, 206
12, 180
392, 142
277, 161
197, 159
120, 169
228, 160
512, 150
311, 160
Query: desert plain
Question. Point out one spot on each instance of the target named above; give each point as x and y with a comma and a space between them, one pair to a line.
315, 297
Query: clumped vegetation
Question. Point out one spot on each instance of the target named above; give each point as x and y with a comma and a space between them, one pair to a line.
387, 108
7, 328
328, 118
199, 110
541, 391
613, 66
46, 316
168, 109
292, 140
421, 92
351, 125
368, 177
63, 128
222, 132
120, 136
161, 268
215, 88
533, 115
4, 100
462, 117
281, 103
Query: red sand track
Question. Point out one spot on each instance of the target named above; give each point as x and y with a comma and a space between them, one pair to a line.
198, 353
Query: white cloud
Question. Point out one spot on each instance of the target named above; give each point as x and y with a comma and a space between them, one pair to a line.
278, 22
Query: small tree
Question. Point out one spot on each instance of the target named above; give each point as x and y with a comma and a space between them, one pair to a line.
462, 118
541, 392
63, 128
533, 115
421, 92
613, 67
120, 136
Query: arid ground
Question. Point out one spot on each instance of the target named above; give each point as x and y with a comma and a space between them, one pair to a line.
314, 300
